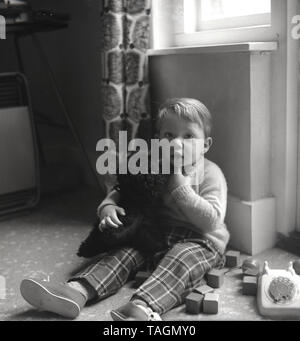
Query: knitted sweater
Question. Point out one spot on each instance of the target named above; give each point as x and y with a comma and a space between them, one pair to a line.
201, 207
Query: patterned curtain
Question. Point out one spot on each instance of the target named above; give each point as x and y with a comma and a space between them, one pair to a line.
125, 87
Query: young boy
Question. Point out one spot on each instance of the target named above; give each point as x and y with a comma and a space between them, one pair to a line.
192, 217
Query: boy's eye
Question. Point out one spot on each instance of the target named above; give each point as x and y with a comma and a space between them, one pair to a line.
189, 136
168, 135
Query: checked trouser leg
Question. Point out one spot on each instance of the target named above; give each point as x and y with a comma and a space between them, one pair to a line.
111, 272
177, 274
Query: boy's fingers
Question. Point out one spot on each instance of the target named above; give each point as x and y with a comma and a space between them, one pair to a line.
110, 222
121, 210
102, 225
115, 219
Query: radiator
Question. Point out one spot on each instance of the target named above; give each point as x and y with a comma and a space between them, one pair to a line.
19, 170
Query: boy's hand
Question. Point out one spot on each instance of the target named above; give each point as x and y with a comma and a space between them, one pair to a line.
109, 217
177, 180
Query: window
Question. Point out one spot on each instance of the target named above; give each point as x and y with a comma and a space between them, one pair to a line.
223, 14
202, 22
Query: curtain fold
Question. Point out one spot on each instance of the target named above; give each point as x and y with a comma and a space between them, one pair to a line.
125, 83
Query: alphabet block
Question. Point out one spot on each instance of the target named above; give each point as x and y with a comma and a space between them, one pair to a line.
249, 285
215, 278
232, 259
194, 303
296, 266
211, 303
204, 289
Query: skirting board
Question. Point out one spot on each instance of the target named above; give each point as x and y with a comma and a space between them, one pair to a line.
251, 224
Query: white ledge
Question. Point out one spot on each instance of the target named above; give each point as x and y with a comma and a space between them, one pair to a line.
224, 48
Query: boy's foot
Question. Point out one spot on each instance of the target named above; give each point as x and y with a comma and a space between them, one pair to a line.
134, 312
54, 297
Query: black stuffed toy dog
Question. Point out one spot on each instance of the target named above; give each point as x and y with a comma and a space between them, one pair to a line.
140, 196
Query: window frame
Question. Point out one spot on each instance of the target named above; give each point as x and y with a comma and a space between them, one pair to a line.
192, 36
251, 20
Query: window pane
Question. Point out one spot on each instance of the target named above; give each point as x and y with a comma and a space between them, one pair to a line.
219, 9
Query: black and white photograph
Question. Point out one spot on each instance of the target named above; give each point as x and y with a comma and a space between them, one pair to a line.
149, 162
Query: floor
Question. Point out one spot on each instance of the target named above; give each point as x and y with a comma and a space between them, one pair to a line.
44, 242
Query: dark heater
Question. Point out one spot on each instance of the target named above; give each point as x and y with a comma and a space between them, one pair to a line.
19, 175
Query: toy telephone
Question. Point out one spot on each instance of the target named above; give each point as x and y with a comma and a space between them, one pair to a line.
279, 292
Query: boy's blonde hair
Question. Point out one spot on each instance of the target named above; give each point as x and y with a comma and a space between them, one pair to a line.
189, 109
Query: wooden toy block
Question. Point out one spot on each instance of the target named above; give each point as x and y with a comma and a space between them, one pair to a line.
296, 266
204, 289
194, 303
232, 259
141, 277
249, 285
251, 267
211, 303
215, 278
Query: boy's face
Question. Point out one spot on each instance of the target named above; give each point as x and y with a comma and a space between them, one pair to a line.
184, 134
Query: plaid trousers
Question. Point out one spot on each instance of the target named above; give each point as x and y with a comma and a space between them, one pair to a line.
177, 270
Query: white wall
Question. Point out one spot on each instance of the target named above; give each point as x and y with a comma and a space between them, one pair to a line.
236, 87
